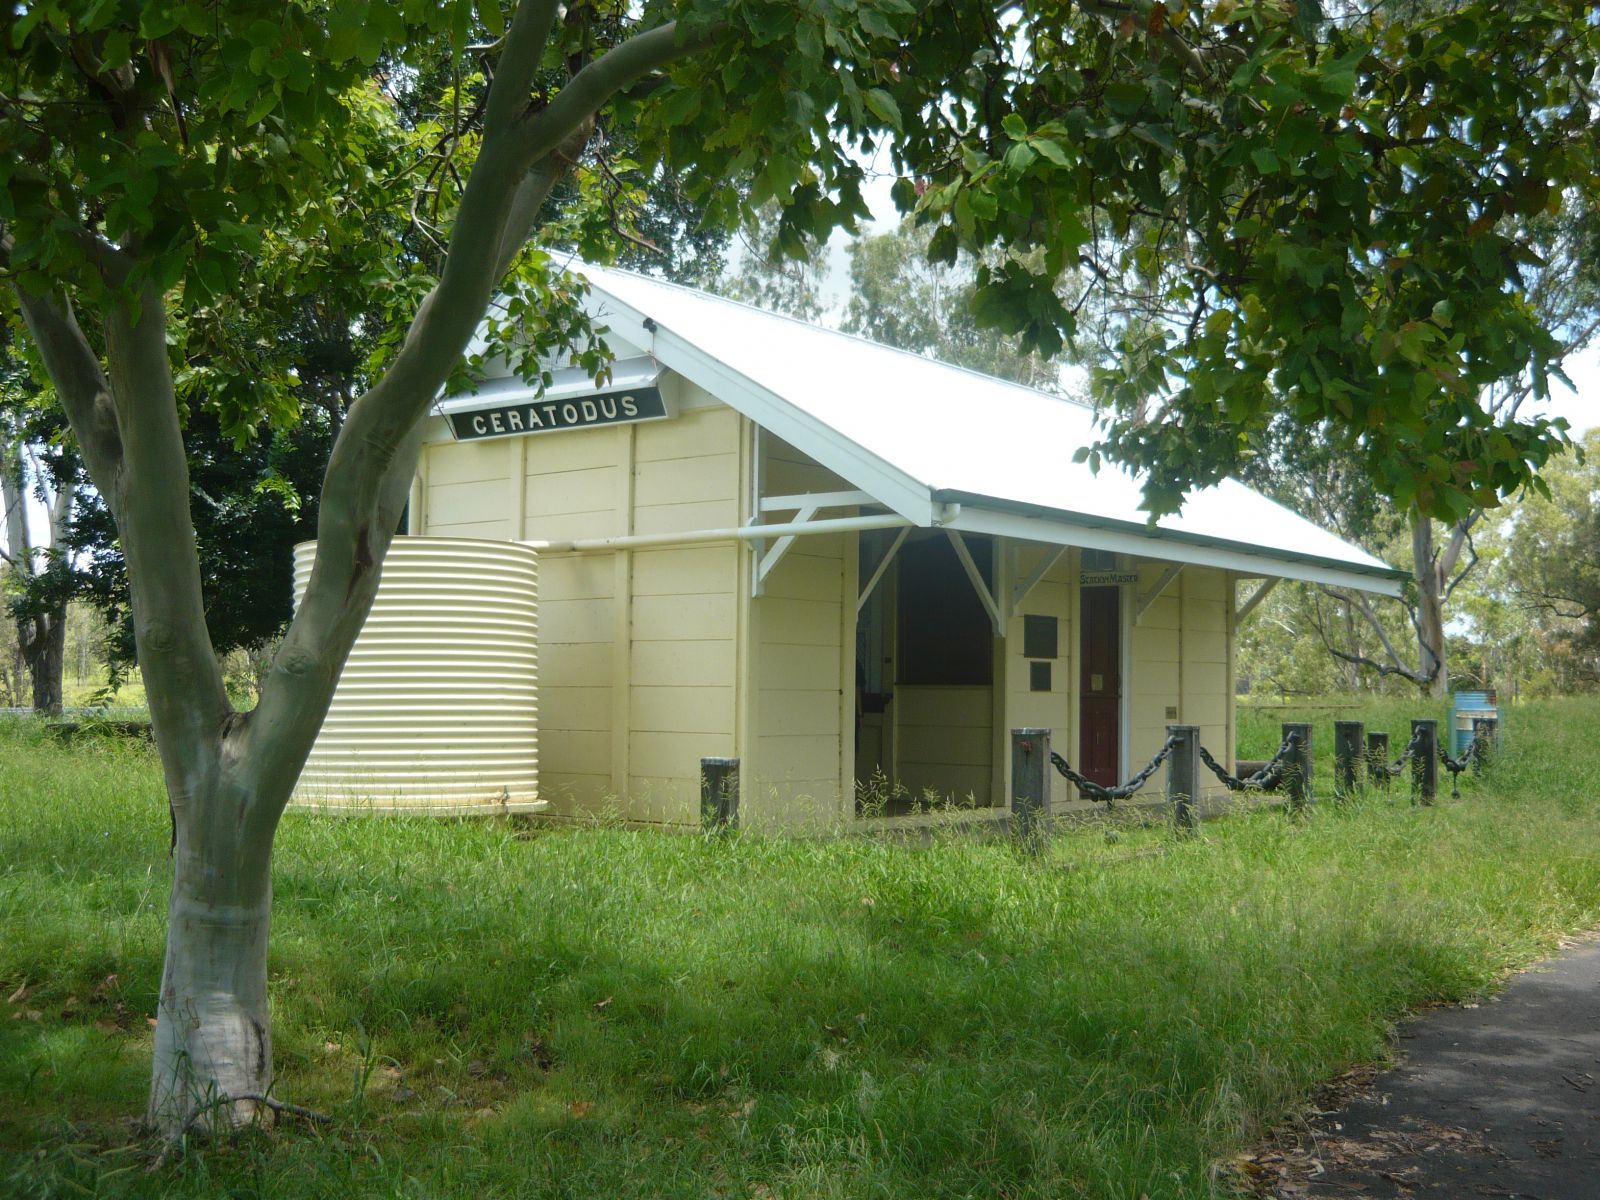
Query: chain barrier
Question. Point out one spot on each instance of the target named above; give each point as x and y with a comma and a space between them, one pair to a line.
1096, 792
1268, 779
1406, 755
1472, 754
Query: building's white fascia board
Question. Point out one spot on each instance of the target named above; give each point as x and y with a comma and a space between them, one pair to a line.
908, 497
1037, 529
569, 383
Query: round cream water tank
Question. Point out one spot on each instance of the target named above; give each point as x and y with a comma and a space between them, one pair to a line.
436, 710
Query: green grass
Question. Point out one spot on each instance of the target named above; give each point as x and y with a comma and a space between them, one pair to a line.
492, 1011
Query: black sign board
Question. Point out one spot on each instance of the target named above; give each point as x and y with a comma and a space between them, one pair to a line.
546, 416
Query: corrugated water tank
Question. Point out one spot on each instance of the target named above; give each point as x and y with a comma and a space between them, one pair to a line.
437, 708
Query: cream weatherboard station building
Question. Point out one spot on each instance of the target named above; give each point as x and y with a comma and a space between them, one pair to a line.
841, 563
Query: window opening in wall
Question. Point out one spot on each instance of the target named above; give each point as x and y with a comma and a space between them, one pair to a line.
945, 634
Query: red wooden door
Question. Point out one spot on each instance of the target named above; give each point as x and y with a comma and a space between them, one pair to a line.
1100, 683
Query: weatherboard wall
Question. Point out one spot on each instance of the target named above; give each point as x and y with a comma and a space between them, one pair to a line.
653, 658
638, 677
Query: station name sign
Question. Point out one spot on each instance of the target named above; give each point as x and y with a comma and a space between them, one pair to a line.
548, 416
1102, 578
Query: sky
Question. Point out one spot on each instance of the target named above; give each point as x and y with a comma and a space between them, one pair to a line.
1581, 407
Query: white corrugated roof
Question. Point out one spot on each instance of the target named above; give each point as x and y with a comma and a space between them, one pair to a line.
919, 435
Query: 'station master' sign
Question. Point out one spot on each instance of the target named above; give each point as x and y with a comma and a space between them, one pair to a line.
547, 416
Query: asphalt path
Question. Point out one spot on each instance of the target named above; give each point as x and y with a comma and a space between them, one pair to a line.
1498, 1100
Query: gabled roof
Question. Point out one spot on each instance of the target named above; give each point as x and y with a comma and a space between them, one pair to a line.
944, 445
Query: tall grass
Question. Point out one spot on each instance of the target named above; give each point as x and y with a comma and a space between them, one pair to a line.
490, 1010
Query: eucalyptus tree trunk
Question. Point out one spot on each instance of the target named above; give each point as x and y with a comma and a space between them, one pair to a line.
213, 1043
43, 641
1432, 576
41, 636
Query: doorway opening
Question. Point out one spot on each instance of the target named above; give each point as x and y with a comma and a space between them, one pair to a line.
1100, 684
925, 654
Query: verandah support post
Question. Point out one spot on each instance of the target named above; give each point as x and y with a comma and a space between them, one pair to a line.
1030, 787
1347, 748
1378, 759
1299, 776
719, 793
1425, 765
1183, 777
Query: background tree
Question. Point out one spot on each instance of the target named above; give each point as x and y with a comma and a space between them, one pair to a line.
1548, 564
776, 267
900, 298
40, 494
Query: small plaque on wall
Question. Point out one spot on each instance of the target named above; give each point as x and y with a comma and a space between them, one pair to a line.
1038, 677
1039, 637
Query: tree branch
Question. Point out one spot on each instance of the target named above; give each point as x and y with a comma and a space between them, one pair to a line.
1358, 602
531, 194
522, 48
80, 384
150, 499
1472, 561
602, 79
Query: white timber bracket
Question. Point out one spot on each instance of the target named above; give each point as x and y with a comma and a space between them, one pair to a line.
1150, 597
882, 568
1020, 592
805, 506
774, 553
1254, 599
979, 584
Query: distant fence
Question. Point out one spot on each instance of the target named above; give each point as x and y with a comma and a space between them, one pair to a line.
86, 713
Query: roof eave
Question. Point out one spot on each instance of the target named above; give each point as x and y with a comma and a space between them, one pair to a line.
987, 514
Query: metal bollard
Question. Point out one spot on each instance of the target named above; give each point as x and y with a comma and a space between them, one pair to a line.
1348, 737
1030, 788
1299, 778
1183, 777
1486, 736
1378, 759
1425, 766
719, 793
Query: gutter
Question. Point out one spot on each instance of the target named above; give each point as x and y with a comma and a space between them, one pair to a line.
1157, 534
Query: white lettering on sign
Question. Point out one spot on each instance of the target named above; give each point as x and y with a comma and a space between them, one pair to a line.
611, 408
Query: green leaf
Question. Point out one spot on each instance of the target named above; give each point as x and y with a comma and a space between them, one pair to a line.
1051, 150
491, 16
883, 106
